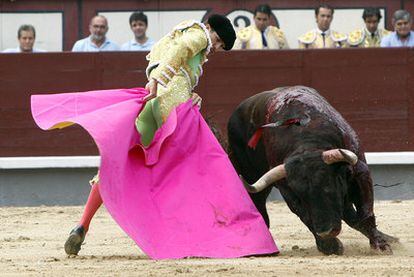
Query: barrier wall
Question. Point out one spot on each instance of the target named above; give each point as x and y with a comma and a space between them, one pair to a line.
372, 88
76, 14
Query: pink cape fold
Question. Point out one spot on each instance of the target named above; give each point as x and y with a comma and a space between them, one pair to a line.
181, 196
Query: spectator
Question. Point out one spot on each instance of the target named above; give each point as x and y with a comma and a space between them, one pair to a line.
323, 36
26, 35
138, 22
97, 41
371, 35
261, 35
402, 35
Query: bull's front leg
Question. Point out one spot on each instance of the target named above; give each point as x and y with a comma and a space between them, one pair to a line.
259, 200
363, 218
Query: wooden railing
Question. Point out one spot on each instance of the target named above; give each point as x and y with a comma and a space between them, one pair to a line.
372, 88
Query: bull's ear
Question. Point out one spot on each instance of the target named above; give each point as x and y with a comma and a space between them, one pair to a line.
339, 155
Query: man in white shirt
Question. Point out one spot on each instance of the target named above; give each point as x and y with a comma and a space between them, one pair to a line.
371, 34
26, 35
97, 41
261, 35
323, 36
138, 22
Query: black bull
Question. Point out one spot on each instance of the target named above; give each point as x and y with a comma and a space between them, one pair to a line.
292, 128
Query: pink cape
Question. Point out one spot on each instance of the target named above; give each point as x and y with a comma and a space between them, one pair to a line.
179, 197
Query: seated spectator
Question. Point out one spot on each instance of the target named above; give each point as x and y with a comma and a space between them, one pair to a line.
261, 35
97, 41
402, 35
138, 22
323, 36
26, 35
370, 35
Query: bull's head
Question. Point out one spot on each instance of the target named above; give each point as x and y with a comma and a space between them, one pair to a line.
317, 183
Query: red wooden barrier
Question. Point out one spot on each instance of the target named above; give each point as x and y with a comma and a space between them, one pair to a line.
372, 88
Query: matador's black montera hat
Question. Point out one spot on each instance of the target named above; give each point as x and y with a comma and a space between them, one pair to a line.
224, 29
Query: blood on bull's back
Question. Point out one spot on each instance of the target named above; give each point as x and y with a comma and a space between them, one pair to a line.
301, 120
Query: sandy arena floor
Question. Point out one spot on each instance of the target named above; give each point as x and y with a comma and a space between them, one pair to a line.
31, 243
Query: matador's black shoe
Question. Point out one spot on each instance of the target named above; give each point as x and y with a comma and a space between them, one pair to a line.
74, 241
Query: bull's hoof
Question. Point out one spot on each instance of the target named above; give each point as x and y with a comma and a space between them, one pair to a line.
388, 238
331, 246
381, 243
384, 249
381, 246
75, 240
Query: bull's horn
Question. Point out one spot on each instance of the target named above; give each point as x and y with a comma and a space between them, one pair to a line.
273, 175
339, 155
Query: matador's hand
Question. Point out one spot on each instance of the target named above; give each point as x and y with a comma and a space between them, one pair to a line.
151, 86
196, 100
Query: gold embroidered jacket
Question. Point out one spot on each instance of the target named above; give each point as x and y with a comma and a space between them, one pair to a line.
251, 38
314, 39
363, 38
176, 63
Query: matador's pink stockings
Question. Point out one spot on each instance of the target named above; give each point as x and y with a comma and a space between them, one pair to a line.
92, 205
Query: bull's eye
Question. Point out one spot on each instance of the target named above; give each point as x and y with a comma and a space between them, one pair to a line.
326, 189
